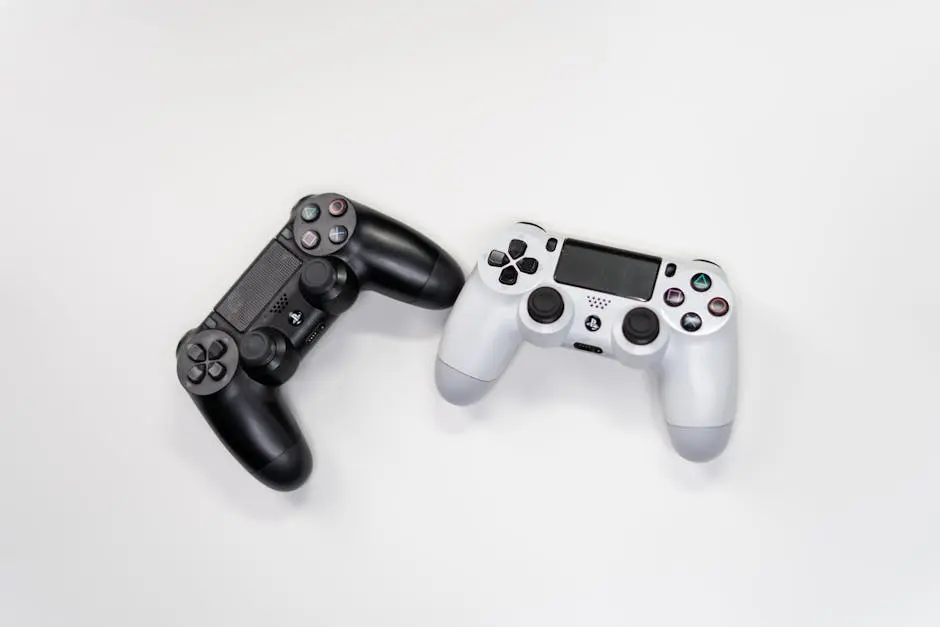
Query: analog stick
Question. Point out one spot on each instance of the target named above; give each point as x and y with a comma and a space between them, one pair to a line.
318, 277
641, 326
257, 349
546, 305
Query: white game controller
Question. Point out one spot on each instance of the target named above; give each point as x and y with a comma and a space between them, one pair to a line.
674, 317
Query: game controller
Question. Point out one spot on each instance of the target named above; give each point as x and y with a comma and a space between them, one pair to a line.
330, 250
674, 317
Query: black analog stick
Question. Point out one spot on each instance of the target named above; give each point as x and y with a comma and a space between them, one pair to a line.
546, 305
257, 349
318, 276
641, 326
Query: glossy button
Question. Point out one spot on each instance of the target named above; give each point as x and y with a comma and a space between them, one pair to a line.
517, 248
718, 307
670, 269
701, 282
337, 207
497, 259
310, 239
508, 276
310, 213
691, 322
338, 234
674, 297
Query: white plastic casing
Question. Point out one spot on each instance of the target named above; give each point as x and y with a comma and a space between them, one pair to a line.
695, 371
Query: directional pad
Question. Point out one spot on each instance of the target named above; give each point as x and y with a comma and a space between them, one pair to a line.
517, 248
528, 265
216, 350
508, 276
497, 259
208, 362
196, 352
197, 373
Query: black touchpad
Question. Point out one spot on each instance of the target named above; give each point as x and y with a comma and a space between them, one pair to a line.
607, 270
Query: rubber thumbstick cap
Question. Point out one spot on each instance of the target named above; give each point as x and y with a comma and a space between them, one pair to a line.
258, 349
546, 305
318, 276
641, 326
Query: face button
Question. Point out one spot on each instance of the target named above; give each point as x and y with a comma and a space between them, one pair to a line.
310, 240
338, 234
517, 248
691, 322
497, 259
718, 307
196, 374
551, 244
592, 324
338, 207
310, 213
641, 326
216, 371
674, 297
196, 352
216, 349
701, 282
671, 270
508, 276
545, 305
528, 265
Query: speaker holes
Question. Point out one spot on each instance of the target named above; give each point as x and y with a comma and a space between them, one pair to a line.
279, 305
596, 302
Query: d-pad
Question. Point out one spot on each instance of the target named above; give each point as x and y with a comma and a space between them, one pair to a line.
510, 262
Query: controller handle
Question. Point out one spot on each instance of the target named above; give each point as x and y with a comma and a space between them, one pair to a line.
481, 337
252, 421
395, 260
698, 382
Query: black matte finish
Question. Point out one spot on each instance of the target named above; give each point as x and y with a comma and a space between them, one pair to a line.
279, 309
545, 305
641, 326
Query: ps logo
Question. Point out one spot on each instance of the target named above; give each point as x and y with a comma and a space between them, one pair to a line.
592, 324
296, 318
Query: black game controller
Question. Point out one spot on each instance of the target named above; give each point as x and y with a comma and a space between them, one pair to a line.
233, 364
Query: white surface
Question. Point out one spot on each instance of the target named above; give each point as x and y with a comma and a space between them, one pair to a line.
147, 153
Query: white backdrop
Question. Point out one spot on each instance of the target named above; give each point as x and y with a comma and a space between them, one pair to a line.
147, 153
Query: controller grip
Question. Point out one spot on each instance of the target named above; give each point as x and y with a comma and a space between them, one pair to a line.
698, 389
397, 261
256, 427
481, 337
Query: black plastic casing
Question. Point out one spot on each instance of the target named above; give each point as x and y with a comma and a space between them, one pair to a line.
272, 306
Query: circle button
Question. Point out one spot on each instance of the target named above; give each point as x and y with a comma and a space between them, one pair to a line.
546, 305
641, 326
718, 307
691, 322
338, 207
